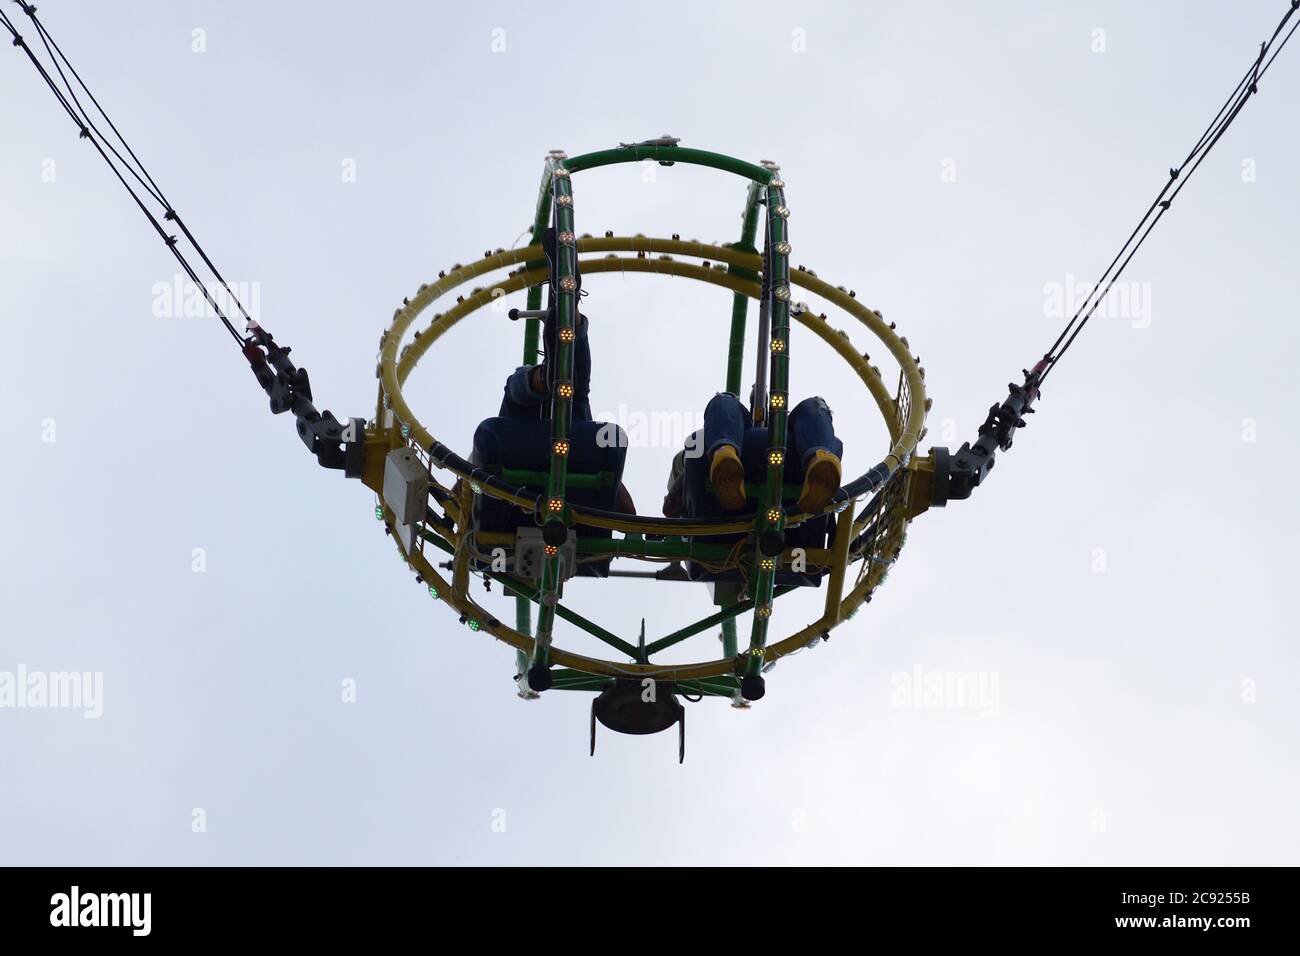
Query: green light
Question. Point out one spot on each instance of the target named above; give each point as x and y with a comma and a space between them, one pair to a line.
473, 625
379, 512
433, 592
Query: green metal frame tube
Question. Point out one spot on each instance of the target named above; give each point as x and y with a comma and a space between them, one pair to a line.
520, 589
560, 369
740, 301
541, 217
524, 625
724, 617
771, 517
729, 643
669, 155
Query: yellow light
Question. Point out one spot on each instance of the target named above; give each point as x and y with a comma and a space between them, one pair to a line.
556, 504
551, 550
566, 390
566, 335
564, 200
767, 564
562, 447
763, 612
778, 400
773, 514
568, 284
776, 457
778, 345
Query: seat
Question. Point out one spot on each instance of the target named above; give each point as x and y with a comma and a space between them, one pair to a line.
700, 502
519, 451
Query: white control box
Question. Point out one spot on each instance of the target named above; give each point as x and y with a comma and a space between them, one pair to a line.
406, 486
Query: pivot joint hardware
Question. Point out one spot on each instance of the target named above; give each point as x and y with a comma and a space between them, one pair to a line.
957, 476
336, 445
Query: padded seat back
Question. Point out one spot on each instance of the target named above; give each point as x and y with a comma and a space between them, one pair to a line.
701, 502
506, 445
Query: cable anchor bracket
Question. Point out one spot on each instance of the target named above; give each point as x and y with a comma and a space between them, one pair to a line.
336, 445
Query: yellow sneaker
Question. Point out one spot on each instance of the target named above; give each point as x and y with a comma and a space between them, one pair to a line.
820, 482
728, 477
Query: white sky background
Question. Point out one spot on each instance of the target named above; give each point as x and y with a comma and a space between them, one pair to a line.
1123, 733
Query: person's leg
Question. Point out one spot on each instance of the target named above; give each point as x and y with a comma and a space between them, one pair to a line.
724, 423
811, 428
580, 368
811, 431
581, 372
724, 436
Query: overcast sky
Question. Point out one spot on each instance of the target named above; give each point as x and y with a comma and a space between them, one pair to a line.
1122, 586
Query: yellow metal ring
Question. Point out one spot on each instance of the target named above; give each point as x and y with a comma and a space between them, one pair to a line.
397, 362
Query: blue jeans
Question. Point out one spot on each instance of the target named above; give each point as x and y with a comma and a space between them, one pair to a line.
520, 401
809, 427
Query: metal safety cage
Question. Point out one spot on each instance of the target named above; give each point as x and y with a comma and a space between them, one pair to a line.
750, 274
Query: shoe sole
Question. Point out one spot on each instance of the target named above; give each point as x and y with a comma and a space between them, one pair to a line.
821, 482
729, 483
